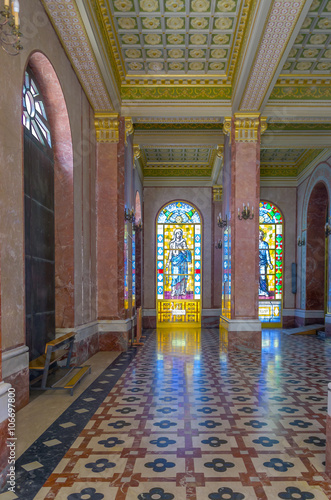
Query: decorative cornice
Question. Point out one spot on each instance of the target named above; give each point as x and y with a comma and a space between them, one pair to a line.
246, 127
128, 128
312, 92
106, 126
217, 192
178, 126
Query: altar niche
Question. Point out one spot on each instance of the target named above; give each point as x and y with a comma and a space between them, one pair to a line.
178, 265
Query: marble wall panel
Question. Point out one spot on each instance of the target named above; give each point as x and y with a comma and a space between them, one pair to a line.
114, 341
20, 382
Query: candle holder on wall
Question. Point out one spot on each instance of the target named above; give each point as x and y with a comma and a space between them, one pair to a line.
10, 34
327, 227
138, 227
222, 223
218, 245
246, 212
301, 242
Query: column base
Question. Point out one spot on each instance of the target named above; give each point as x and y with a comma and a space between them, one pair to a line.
4, 449
328, 436
241, 333
115, 335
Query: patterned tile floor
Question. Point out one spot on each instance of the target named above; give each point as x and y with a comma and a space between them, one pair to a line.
186, 419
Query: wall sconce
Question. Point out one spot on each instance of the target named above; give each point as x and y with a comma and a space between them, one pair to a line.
10, 27
327, 227
246, 212
220, 222
218, 245
301, 242
138, 227
129, 215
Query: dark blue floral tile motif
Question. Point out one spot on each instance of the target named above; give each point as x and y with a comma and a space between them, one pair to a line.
168, 399
323, 408
167, 411
219, 465
287, 409
163, 442
265, 441
242, 399
210, 424
204, 399
119, 424
301, 424
278, 398
226, 494
111, 442
270, 389
256, 424
291, 381
247, 409
169, 389
322, 381
237, 389
313, 398
160, 465
165, 424
302, 389
131, 399
138, 382
231, 381
278, 464
317, 441
93, 495
136, 389
293, 493
207, 410
203, 389
214, 442
142, 375
201, 382
126, 411
100, 465
156, 494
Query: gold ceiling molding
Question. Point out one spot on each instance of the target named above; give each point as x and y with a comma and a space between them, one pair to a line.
217, 192
107, 127
69, 26
284, 14
128, 128
107, 27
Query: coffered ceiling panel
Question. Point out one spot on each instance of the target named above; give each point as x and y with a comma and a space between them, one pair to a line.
158, 161
311, 52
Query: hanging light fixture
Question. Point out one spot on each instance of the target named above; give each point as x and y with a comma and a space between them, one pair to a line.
10, 34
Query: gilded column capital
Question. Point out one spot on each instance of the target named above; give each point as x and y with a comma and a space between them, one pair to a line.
128, 128
136, 151
227, 126
246, 127
217, 192
106, 127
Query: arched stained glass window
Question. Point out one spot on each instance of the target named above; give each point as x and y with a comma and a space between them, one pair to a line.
34, 114
178, 281
271, 263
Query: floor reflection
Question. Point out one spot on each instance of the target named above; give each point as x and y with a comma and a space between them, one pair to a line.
178, 341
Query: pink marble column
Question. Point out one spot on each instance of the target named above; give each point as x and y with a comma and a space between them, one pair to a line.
243, 327
110, 243
328, 436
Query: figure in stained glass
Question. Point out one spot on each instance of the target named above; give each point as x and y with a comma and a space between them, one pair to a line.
179, 257
265, 261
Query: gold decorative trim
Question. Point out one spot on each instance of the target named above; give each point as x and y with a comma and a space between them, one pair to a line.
264, 124
136, 151
128, 128
246, 127
227, 126
107, 127
220, 152
217, 192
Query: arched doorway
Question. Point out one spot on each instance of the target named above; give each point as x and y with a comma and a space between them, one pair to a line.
271, 264
178, 269
55, 108
316, 249
39, 219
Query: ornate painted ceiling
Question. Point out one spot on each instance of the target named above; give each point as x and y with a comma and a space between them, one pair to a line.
177, 68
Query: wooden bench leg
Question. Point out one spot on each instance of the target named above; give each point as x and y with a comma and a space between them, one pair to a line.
45, 372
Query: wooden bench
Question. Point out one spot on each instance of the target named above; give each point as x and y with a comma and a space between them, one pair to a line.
55, 351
